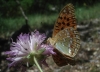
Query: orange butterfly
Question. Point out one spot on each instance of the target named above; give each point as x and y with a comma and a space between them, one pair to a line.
65, 38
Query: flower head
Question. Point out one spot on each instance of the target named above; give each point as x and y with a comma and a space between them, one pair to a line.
28, 46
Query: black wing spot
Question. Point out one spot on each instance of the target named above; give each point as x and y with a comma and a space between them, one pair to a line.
59, 23
63, 23
62, 28
64, 17
68, 24
60, 17
56, 26
67, 19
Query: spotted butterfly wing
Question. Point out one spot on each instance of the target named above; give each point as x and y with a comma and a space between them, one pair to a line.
65, 19
65, 37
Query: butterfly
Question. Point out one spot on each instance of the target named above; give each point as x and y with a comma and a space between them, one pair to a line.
65, 38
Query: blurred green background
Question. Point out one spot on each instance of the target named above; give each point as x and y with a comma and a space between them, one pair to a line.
42, 12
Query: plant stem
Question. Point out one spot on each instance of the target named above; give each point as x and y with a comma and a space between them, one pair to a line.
35, 60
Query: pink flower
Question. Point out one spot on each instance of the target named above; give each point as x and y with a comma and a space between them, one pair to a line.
28, 46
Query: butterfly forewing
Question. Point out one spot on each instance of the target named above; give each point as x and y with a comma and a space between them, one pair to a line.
65, 19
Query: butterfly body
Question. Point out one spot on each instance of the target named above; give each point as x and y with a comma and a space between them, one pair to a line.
65, 38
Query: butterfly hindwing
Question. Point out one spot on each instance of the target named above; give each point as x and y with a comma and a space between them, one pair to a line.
67, 41
61, 60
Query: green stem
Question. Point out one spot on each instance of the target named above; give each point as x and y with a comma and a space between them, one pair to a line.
35, 60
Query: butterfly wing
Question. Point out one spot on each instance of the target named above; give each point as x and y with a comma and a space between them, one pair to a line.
67, 42
66, 46
60, 60
66, 19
